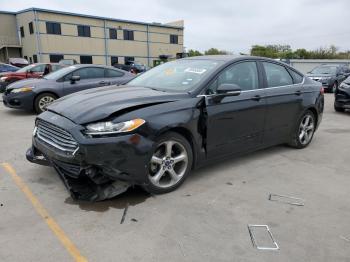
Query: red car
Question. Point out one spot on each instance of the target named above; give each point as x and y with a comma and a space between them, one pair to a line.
30, 71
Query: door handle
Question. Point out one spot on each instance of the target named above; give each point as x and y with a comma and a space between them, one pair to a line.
256, 98
298, 93
103, 83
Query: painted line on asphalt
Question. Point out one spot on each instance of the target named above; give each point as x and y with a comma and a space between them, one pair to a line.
56, 229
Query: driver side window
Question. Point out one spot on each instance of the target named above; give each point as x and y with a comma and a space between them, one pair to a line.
244, 74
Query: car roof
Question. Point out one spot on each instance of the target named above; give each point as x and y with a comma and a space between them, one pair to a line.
229, 58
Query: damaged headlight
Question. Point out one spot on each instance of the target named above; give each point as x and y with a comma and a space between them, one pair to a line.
23, 89
105, 128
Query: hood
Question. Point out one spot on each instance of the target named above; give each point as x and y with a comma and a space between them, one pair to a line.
27, 82
100, 103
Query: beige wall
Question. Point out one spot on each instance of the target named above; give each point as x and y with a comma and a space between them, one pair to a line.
29, 46
8, 30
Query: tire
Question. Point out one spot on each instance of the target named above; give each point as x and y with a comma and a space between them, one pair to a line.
43, 100
304, 131
338, 109
170, 163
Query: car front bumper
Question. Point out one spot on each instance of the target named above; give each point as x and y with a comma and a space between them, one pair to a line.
20, 100
100, 168
342, 98
3, 86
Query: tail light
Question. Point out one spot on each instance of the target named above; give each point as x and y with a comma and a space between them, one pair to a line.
322, 90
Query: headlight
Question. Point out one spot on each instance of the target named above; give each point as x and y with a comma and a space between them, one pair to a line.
22, 90
3, 79
103, 128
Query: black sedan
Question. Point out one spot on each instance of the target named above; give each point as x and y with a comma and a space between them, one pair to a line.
171, 119
342, 96
36, 94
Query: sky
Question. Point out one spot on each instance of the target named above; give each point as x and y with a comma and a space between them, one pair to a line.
232, 25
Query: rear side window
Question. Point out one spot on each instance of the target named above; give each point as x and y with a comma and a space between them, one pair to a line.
113, 73
298, 78
38, 68
90, 72
277, 75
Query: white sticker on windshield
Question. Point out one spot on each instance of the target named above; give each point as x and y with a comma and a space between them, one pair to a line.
195, 70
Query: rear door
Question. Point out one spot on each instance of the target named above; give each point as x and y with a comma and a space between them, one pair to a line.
236, 123
284, 97
90, 77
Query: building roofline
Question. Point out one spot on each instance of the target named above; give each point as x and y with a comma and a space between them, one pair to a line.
90, 16
8, 12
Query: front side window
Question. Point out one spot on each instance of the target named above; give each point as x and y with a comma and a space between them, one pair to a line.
177, 76
53, 28
84, 30
277, 75
38, 68
89, 72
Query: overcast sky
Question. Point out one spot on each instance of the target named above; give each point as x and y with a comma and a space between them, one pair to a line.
233, 25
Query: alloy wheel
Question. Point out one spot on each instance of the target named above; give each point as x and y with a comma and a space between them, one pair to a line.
168, 164
306, 129
45, 101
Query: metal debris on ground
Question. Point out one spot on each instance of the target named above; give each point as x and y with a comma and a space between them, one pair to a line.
273, 246
134, 220
287, 199
124, 213
229, 183
345, 238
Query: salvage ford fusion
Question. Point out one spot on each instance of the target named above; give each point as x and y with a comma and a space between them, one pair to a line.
171, 119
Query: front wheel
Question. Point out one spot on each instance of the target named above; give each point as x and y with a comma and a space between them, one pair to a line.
170, 164
338, 109
305, 131
42, 101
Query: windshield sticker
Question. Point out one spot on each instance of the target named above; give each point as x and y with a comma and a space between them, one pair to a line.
169, 71
195, 70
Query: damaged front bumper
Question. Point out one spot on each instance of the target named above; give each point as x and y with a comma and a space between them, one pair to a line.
100, 168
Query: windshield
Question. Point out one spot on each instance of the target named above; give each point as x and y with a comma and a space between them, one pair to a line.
180, 75
324, 70
25, 69
60, 73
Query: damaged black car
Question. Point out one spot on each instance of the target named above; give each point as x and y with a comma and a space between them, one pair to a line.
174, 118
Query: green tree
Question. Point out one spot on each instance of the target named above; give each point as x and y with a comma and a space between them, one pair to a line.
192, 52
215, 51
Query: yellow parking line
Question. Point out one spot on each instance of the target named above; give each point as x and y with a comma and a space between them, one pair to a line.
57, 230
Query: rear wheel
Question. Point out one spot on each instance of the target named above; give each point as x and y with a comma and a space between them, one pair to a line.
42, 101
170, 164
305, 131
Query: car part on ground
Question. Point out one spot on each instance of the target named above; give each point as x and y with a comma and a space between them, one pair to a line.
29, 94
178, 116
252, 228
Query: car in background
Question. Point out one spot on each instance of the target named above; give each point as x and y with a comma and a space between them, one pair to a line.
330, 76
342, 96
36, 94
175, 117
68, 62
30, 71
5, 68
19, 62
132, 67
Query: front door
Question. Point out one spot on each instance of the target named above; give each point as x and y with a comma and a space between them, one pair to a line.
236, 123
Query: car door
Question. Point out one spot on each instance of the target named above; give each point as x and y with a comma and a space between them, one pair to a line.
284, 97
235, 123
90, 77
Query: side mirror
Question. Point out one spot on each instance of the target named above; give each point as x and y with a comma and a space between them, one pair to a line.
73, 79
227, 90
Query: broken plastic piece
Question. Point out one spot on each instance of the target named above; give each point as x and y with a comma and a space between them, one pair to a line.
274, 245
287, 199
124, 213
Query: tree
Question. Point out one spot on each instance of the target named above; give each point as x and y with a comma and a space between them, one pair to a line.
215, 51
192, 52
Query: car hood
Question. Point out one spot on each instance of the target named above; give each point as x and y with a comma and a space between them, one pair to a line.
26, 82
99, 103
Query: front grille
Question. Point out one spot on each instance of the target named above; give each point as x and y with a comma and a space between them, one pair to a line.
56, 137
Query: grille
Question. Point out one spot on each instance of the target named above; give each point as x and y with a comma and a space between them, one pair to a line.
56, 137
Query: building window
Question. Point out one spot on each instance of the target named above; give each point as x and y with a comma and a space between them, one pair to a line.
25, 57
53, 28
55, 58
22, 31
30, 60
112, 33
35, 58
174, 39
129, 60
31, 29
114, 60
84, 30
128, 35
85, 59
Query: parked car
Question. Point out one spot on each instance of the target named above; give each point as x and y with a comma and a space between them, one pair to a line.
36, 94
342, 96
18, 61
172, 118
134, 68
329, 75
68, 62
4, 68
31, 71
